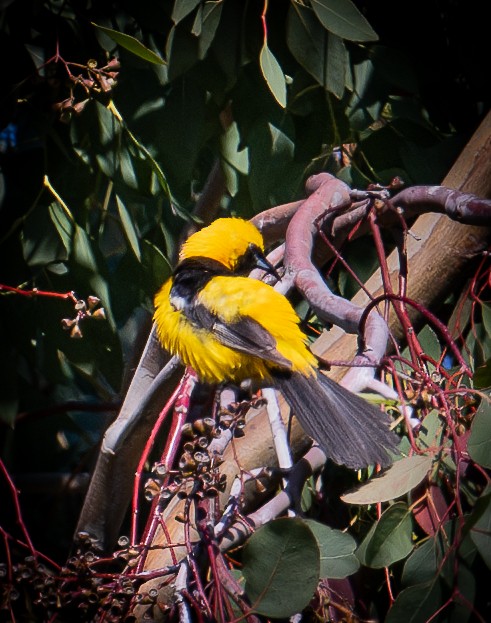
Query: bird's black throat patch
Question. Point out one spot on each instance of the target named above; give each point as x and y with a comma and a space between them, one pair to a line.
192, 275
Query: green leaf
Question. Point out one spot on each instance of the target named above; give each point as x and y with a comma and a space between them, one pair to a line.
274, 174
206, 23
273, 74
422, 565
460, 612
127, 168
479, 442
320, 53
157, 266
308, 495
431, 433
389, 539
182, 50
82, 250
342, 18
63, 223
307, 41
84, 257
337, 558
416, 604
128, 228
45, 249
430, 343
482, 376
481, 531
182, 8
232, 151
132, 45
337, 60
235, 158
281, 567
486, 318
400, 478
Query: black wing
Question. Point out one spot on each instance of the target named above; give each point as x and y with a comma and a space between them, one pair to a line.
245, 335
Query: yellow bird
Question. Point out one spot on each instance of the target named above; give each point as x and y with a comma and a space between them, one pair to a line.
230, 328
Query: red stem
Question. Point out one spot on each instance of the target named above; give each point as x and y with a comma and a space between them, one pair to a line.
36, 292
181, 408
18, 511
422, 310
263, 20
148, 447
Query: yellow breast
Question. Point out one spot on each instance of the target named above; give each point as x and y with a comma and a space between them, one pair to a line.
231, 298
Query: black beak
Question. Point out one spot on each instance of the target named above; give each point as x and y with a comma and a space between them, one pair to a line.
262, 262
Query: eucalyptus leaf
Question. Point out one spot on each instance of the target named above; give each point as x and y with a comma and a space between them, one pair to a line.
157, 266
273, 172
337, 60
481, 531
84, 255
321, 53
307, 41
431, 433
281, 567
486, 318
273, 74
403, 476
132, 45
364, 109
479, 442
422, 564
337, 558
460, 612
482, 376
82, 250
42, 250
232, 152
182, 50
416, 604
389, 539
182, 8
128, 228
63, 223
430, 343
127, 168
342, 18
206, 23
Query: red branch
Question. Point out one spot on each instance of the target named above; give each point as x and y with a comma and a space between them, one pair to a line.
423, 311
35, 292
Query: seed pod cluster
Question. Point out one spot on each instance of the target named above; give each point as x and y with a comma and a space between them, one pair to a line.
94, 83
84, 309
197, 472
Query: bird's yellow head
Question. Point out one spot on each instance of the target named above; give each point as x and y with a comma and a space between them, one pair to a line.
226, 240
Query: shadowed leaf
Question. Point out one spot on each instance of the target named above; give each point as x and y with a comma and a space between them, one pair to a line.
389, 539
132, 45
479, 443
342, 18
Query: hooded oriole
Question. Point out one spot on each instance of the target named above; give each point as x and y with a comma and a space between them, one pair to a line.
229, 328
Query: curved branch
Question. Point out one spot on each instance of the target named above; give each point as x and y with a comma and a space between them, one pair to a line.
463, 207
329, 196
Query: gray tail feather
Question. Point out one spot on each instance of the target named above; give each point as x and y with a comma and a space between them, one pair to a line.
350, 430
